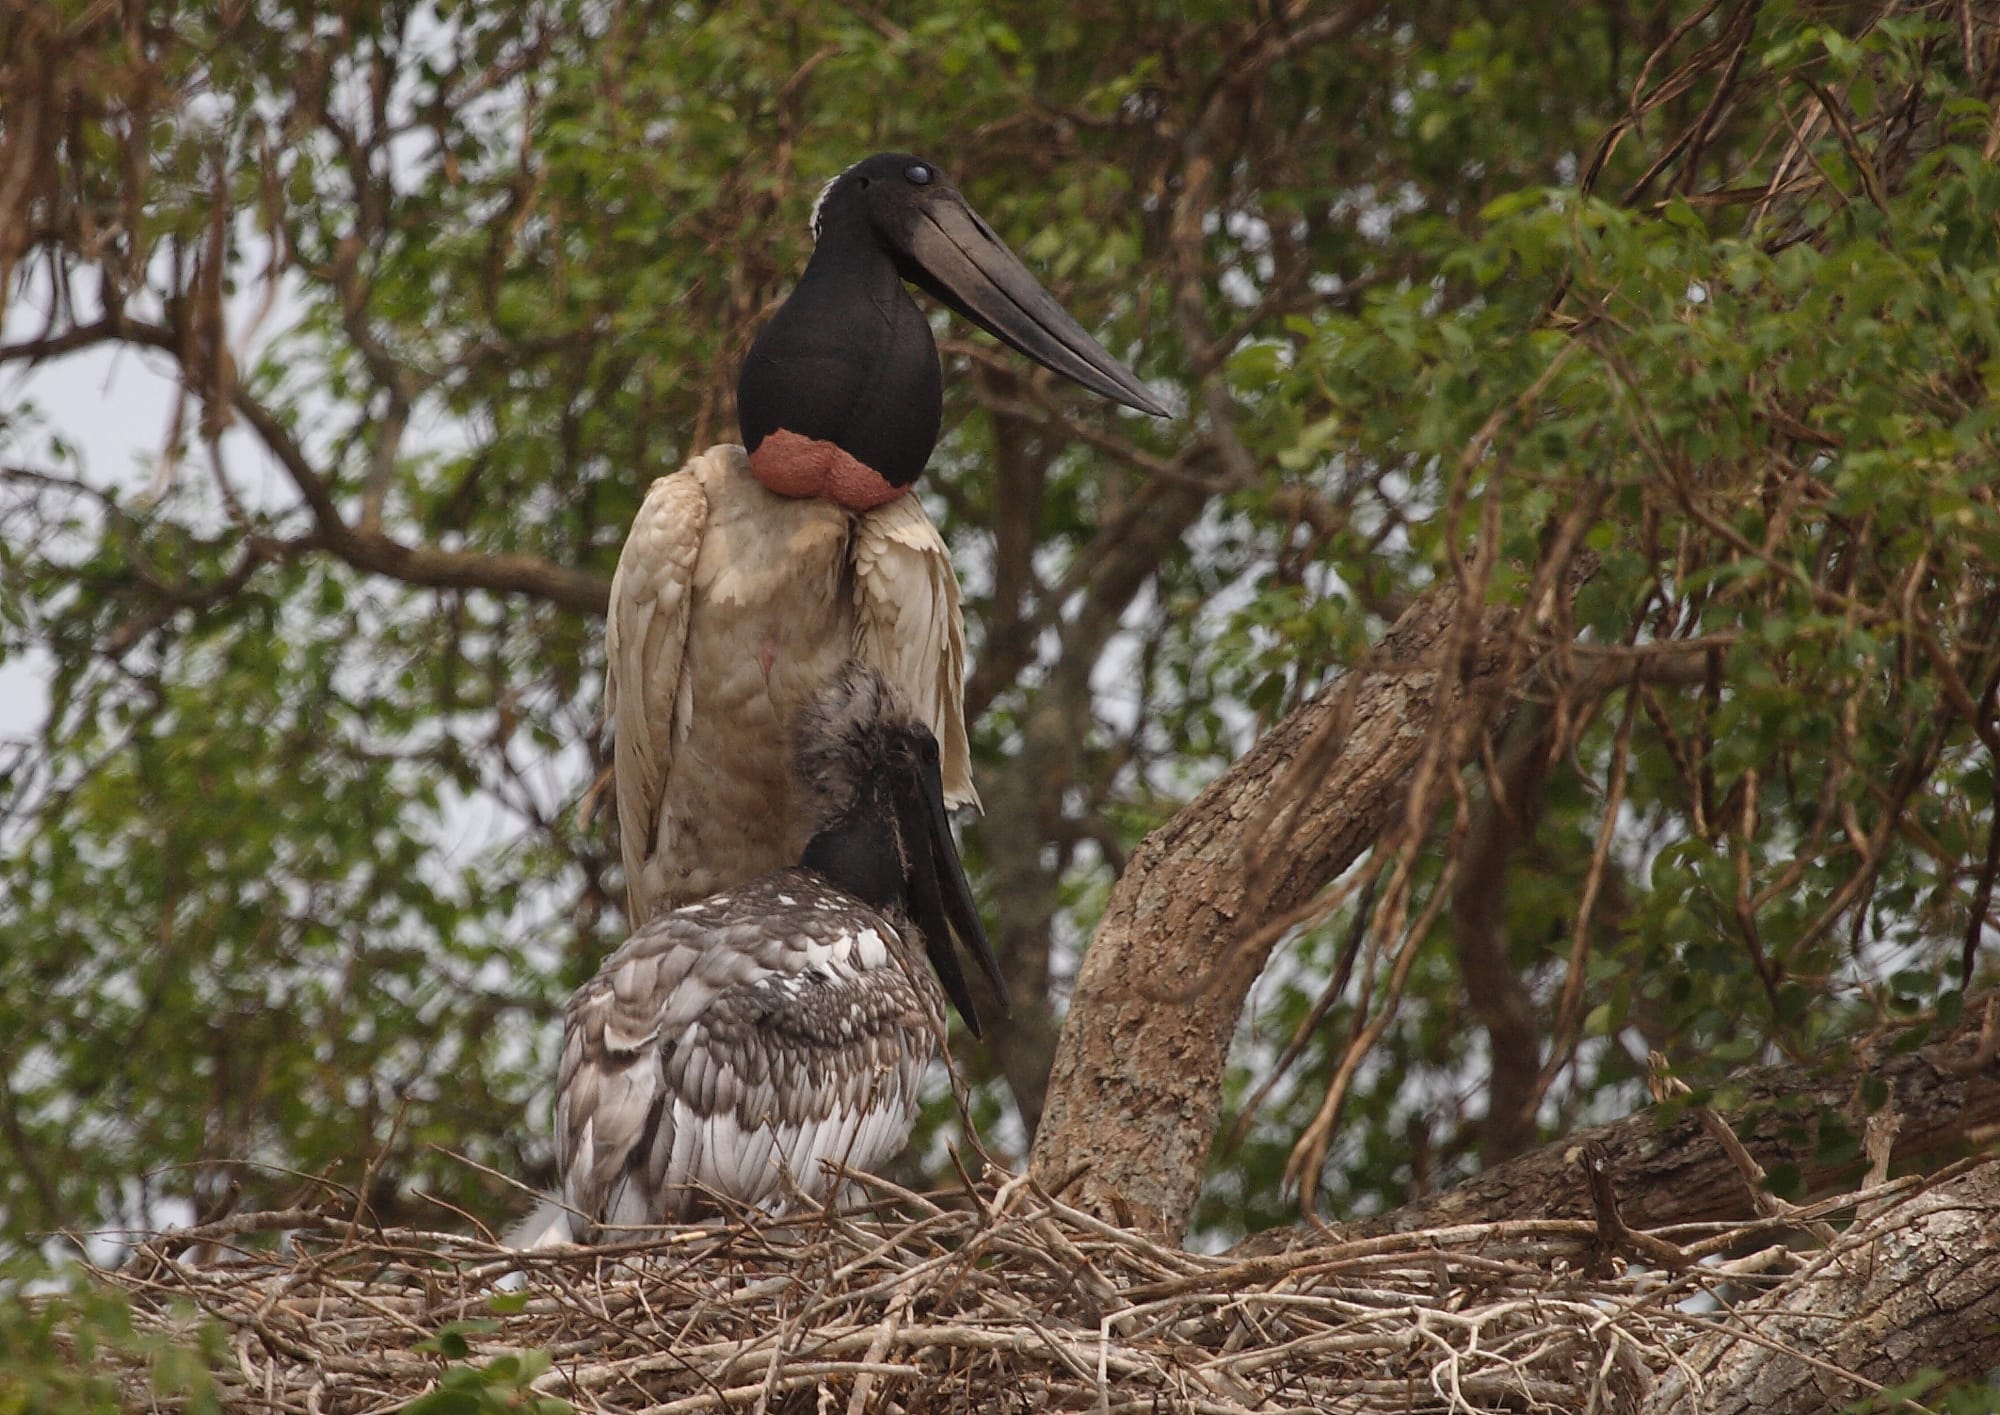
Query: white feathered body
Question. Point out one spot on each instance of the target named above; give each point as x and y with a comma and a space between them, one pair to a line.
736, 1044
730, 607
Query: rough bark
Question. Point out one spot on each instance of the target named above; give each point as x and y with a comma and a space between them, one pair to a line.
1133, 1096
1946, 1095
1913, 1289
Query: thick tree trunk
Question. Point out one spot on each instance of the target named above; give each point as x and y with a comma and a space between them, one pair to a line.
1913, 1289
1133, 1097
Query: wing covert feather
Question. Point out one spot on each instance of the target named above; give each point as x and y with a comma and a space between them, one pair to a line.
609, 1088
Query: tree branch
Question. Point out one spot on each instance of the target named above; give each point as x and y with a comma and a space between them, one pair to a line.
1915, 1287
1494, 990
1674, 1172
369, 550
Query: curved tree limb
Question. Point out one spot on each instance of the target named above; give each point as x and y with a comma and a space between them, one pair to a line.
1136, 1088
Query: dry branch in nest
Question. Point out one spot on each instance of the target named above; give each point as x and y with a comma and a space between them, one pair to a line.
1013, 1300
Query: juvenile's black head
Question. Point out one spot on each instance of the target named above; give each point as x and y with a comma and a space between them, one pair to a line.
849, 359
853, 740
869, 776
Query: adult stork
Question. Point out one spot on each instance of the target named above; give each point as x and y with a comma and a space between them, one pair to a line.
731, 1047
750, 575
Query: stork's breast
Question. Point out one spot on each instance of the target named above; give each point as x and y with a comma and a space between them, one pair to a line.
772, 617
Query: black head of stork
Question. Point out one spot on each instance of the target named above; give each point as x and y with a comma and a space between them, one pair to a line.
873, 787
841, 395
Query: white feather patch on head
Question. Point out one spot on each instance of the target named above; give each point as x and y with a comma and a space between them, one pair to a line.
820, 200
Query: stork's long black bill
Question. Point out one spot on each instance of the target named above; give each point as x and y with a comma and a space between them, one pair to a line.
961, 262
959, 906
941, 900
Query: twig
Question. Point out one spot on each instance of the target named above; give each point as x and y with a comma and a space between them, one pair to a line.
1665, 1085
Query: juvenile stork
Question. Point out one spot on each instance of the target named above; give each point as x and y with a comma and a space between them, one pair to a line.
731, 1046
750, 576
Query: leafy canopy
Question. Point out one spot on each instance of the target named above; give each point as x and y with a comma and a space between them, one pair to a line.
295, 879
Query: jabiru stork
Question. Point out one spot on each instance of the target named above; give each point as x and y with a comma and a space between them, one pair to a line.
753, 572
731, 1046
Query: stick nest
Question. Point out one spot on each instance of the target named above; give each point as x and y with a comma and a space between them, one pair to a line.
1011, 1300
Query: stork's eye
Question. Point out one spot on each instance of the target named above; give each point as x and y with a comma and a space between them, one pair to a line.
918, 173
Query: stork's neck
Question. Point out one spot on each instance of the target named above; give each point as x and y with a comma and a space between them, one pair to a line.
849, 264
859, 853
847, 367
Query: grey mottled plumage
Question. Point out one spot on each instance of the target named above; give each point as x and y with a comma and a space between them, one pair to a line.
737, 1044
775, 1026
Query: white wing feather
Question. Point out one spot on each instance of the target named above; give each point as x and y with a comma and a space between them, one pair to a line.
907, 624
645, 638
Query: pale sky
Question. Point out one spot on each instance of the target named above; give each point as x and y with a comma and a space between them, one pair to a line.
113, 408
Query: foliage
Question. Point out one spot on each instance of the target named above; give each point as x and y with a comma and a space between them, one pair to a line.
295, 876
77, 1349
494, 1387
